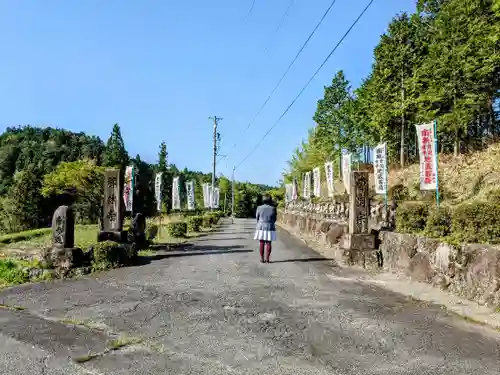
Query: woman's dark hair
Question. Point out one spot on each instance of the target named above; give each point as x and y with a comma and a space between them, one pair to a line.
266, 199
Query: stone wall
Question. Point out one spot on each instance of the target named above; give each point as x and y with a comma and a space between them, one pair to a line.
470, 271
337, 211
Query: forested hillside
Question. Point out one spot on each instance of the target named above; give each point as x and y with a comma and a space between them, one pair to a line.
440, 63
40, 168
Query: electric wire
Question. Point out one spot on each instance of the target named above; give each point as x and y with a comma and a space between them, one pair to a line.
287, 70
307, 84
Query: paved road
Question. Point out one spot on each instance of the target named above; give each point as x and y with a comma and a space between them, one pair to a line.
214, 309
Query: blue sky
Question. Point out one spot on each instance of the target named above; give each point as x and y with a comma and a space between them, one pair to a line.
161, 68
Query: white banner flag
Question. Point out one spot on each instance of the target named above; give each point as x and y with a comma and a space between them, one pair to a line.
427, 155
380, 168
206, 195
158, 189
307, 185
316, 182
128, 188
176, 197
190, 195
295, 189
329, 178
288, 193
346, 171
215, 197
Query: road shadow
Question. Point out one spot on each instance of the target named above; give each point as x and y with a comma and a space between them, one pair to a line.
302, 260
223, 239
193, 251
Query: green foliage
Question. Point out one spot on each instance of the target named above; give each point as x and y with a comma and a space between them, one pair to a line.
194, 223
177, 229
40, 168
441, 62
109, 254
85, 180
476, 222
411, 217
11, 272
438, 222
116, 155
207, 221
398, 193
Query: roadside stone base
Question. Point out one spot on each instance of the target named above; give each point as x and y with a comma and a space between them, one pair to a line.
471, 271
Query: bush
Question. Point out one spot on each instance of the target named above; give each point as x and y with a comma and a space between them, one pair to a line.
11, 272
398, 192
109, 254
438, 222
177, 229
411, 217
151, 232
194, 223
207, 221
476, 222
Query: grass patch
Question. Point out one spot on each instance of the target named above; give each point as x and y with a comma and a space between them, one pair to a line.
124, 341
85, 236
12, 272
11, 307
146, 253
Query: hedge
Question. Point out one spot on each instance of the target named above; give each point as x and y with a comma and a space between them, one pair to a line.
109, 254
476, 222
194, 223
438, 222
411, 217
177, 229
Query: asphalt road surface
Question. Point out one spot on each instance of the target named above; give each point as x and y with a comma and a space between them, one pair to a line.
214, 309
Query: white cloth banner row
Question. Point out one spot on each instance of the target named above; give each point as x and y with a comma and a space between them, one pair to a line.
211, 196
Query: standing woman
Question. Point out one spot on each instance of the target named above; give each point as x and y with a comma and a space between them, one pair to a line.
266, 227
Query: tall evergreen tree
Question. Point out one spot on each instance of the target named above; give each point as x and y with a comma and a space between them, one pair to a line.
115, 154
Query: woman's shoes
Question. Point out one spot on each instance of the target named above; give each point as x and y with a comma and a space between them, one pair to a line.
262, 260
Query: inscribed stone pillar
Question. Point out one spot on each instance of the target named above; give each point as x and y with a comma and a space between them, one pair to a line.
359, 236
359, 203
112, 219
63, 228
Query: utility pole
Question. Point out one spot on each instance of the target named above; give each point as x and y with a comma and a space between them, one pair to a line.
232, 194
216, 122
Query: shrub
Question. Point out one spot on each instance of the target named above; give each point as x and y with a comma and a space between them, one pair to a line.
411, 217
207, 221
438, 222
151, 232
194, 223
177, 229
109, 254
476, 222
398, 192
11, 272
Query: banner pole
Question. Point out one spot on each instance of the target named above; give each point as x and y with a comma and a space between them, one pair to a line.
436, 161
386, 172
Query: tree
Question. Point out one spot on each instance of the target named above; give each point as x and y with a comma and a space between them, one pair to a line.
115, 154
162, 167
84, 180
23, 206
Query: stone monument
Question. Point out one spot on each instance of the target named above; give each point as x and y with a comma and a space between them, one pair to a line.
359, 237
112, 208
138, 231
63, 256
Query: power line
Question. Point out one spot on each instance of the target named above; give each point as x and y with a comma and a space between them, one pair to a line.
250, 11
307, 84
280, 23
288, 69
